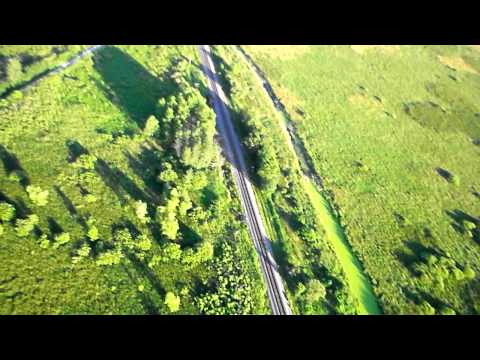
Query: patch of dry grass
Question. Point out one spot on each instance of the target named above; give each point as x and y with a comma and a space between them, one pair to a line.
385, 49
457, 63
363, 100
284, 52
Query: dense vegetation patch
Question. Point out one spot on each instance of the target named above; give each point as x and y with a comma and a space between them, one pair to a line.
105, 206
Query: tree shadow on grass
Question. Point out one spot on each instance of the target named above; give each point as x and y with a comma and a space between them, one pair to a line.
54, 227
190, 237
147, 303
21, 209
72, 210
147, 165
12, 165
413, 254
120, 183
136, 91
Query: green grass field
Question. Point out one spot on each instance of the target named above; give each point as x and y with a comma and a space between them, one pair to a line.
394, 133
21, 63
87, 137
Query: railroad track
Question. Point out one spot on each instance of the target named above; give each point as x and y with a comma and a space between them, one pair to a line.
276, 293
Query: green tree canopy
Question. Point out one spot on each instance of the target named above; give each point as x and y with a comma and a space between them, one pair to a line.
7, 212
37, 195
151, 126
172, 301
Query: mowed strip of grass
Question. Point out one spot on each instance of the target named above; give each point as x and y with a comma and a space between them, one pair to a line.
357, 281
382, 124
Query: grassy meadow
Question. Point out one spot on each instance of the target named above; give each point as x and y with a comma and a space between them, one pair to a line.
21, 63
394, 132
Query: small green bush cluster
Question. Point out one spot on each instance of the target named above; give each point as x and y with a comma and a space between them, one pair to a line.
233, 289
25, 226
38, 196
7, 212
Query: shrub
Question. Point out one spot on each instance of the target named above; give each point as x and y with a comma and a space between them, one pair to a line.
90, 199
37, 196
82, 253
1, 229
14, 69
144, 243
61, 239
172, 251
7, 212
315, 291
110, 257
25, 226
93, 233
447, 311
44, 241
151, 126
172, 301
85, 162
426, 309
458, 274
455, 180
468, 273
16, 95
141, 211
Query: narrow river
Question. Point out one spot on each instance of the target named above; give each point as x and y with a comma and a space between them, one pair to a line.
359, 284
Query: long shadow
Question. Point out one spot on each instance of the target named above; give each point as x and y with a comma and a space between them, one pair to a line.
145, 271
54, 227
414, 254
75, 150
119, 182
190, 237
458, 217
72, 210
12, 164
21, 209
147, 303
136, 90
146, 166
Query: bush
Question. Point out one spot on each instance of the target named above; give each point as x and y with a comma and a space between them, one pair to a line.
172, 301
151, 126
93, 233
37, 196
14, 69
44, 241
468, 273
1, 229
447, 311
426, 309
7, 212
25, 226
141, 211
82, 253
61, 239
110, 257
315, 291
144, 243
